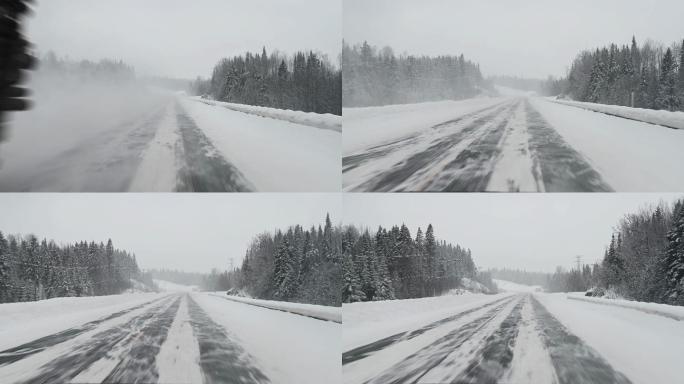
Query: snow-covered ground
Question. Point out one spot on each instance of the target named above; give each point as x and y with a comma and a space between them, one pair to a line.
23, 322
509, 286
172, 337
373, 125
672, 311
631, 156
370, 321
168, 286
318, 120
642, 346
316, 311
274, 155
511, 143
526, 337
659, 117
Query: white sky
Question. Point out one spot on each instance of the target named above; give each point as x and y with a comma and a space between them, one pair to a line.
192, 232
530, 38
184, 38
536, 232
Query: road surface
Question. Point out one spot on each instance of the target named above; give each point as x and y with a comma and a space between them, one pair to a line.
519, 144
513, 339
180, 337
161, 142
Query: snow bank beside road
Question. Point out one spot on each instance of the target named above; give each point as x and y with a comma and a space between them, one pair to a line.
320, 312
665, 118
23, 322
641, 346
365, 322
671, 311
311, 119
631, 156
374, 125
273, 155
291, 349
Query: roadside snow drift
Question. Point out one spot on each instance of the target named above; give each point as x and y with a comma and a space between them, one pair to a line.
668, 119
672, 311
274, 155
320, 312
311, 119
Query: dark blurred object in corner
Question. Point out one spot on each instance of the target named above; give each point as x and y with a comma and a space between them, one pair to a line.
14, 59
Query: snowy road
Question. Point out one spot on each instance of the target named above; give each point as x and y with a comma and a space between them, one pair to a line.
519, 144
513, 339
165, 148
180, 337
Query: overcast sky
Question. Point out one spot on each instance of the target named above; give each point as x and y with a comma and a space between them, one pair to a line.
529, 38
193, 232
183, 38
536, 232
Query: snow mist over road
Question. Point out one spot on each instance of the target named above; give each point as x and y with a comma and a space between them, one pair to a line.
170, 337
115, 136
512, 338
506, 144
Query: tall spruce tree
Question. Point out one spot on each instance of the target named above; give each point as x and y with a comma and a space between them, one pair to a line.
668, 95
674, 258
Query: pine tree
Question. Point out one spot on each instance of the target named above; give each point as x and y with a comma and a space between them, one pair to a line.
674, 258
430, 256
668, 97
5, 295
681, 75
351, 287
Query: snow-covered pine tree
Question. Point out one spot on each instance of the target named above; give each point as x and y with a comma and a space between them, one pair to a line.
430, 256
5, 282
668, 95
681, 75
674, 258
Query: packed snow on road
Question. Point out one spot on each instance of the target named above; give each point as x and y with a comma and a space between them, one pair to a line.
170, 337
518, 336
510, 143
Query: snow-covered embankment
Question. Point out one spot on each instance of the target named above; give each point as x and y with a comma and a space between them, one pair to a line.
670, 311
667, 119
320, 312
311, 119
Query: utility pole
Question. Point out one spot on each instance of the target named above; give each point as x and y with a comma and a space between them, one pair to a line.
578, 258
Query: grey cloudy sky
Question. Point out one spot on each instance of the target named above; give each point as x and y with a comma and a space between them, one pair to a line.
530, 38
193, 232
184, 38
536, 232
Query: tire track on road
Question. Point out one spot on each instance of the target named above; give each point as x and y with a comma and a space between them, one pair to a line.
22, 351
413, 368
574, 361
563, 169
222, 359
70, 364
424, 159
204, 168
366, 350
